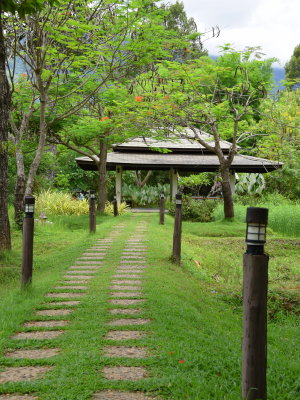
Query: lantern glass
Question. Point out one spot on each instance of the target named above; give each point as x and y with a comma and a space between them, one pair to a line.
29, 208
256, 233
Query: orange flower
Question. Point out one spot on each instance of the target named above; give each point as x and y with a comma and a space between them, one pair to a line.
181, 361
167, 97
23, 75
138, 98
103, 118
149, 112
171, 352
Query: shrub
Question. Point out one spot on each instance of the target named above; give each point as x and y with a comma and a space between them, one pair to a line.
59, 203
109, 208
195, 210
144, 196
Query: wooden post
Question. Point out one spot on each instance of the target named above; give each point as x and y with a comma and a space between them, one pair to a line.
176, 254
255, 327
173, 183
92, 212
115, 204
255, 290
162, 210
28, 231
119, 171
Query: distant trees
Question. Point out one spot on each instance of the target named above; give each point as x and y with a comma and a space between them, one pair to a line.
292, 67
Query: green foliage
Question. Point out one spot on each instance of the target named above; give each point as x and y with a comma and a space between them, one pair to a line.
144, 196
59, 203
194, 182
109, 208
195, 210
284, 218
252, 184
292, 68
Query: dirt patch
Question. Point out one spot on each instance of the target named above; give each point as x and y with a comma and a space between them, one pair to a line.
38, 335
126, 302
49, 313
125, 311
45, 324
18, 374
124, 373
17, 397
124, 335
125, 351
126, 294
129, 321
34, 354
65, 295
124, 287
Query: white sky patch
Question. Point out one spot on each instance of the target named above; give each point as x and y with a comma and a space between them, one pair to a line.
272, 24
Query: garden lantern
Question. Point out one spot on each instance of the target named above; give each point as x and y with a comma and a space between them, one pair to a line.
29, 205
257, 219
92, 194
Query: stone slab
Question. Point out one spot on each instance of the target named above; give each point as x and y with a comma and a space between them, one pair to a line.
125, 311
37, 335
129, 321
124, 287
90, 258
78, 277
126, 302
17, 397
124, 335
64, 295
124, 373
133, 276
126, 294
75, 281
90, 263
82, 270
86, 267
125, 351
77, 287
62, 303
34, 354
126, 282
99, 253
132, 271
45, 324
21, 374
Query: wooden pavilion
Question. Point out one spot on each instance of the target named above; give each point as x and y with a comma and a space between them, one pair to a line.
183, 154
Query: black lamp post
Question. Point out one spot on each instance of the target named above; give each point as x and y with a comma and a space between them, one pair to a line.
92, 210
28, 230
255, 290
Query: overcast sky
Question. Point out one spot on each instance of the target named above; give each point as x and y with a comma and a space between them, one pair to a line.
272, 24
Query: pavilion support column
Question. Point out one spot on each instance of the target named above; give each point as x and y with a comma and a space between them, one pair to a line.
173, 183
119, 171
232, 182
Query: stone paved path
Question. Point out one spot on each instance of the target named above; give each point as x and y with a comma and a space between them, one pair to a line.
126, 302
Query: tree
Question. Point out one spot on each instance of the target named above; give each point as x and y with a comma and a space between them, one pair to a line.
292, 67
219, 97
21, 7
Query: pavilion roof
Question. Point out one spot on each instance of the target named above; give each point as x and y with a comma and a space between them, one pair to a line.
183, 162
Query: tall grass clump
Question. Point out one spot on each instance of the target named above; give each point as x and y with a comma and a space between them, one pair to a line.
109, 208
59, 203
283, 218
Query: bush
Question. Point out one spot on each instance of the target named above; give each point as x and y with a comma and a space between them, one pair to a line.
109, 208
146, 195
59, 203
195, 210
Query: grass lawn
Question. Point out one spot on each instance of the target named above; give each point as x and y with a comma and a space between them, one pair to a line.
196, 329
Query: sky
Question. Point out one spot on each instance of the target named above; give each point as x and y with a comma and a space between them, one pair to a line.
271, 24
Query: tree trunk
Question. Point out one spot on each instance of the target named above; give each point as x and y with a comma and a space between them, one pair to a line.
102, 192
19, 187
138, 178
40, 149
226, 189
5, 240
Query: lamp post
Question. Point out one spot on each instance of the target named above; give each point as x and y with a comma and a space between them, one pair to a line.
115, 205
92, 211
176, 254
255, 289
28, 230
162, 209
